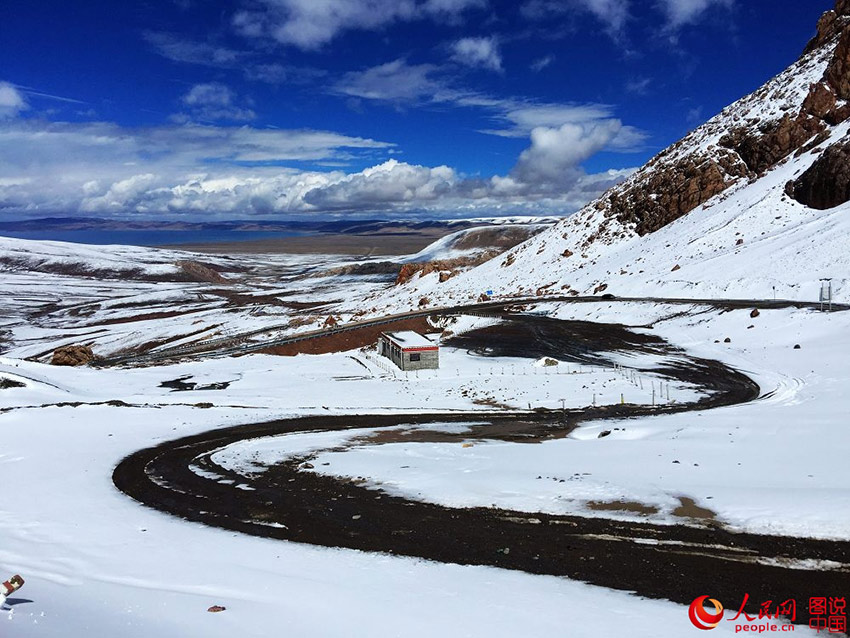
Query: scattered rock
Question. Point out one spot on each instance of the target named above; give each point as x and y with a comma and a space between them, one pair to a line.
72, 356
6, 383
755, 313
215, 609
798, 347
567, 253
727, 340
424, 302
482, 298
331, 322
740, 242
603, 434
600, 288
676, 267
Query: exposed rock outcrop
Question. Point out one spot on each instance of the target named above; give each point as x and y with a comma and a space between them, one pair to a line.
672, 191
446, 268
773, 142
826, 184
197, 271
72, 356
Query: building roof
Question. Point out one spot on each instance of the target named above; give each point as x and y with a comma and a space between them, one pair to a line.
409, 339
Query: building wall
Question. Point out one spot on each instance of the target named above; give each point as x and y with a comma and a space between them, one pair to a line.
390, 351
428, 360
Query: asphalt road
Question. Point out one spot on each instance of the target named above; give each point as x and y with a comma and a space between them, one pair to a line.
674, 562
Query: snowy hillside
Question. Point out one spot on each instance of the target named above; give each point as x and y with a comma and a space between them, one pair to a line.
751, 204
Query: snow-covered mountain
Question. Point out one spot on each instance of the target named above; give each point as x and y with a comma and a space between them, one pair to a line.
751, 204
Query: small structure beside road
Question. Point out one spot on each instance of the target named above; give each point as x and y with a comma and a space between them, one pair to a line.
409, 350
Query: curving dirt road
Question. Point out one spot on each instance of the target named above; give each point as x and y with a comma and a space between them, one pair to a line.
674, 562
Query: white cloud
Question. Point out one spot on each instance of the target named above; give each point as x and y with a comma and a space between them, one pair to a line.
638, 86
179, 49
400, 83
556, 153
682, 12
310, 24
212, 102
102, 168
388, 185
478, 52
519, 119
538, 65
395, 81
11, 101
614, 14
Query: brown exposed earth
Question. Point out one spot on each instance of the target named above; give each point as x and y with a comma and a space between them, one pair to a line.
72, 356
348, 340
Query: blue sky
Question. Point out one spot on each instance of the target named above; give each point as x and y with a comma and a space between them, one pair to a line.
285, 108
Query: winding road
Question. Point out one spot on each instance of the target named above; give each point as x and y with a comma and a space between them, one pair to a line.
675, 562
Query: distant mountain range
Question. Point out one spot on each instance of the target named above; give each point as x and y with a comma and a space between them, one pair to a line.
336, 226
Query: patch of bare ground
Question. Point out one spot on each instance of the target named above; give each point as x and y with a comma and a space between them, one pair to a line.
158, 343
83, 270
623, 506
165, 314
492, 403
689, 509
239, 300
348, 340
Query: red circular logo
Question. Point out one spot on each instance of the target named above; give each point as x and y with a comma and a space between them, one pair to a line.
702, 619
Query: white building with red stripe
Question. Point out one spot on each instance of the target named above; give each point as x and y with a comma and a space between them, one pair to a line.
409, 350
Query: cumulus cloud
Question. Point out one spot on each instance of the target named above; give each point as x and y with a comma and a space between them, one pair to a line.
478, 52
310, 24
682, 12
11, 101
555, 154
102, 168
214, 101
390, 184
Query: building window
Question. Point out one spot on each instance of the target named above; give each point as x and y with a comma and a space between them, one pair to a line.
415, 357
